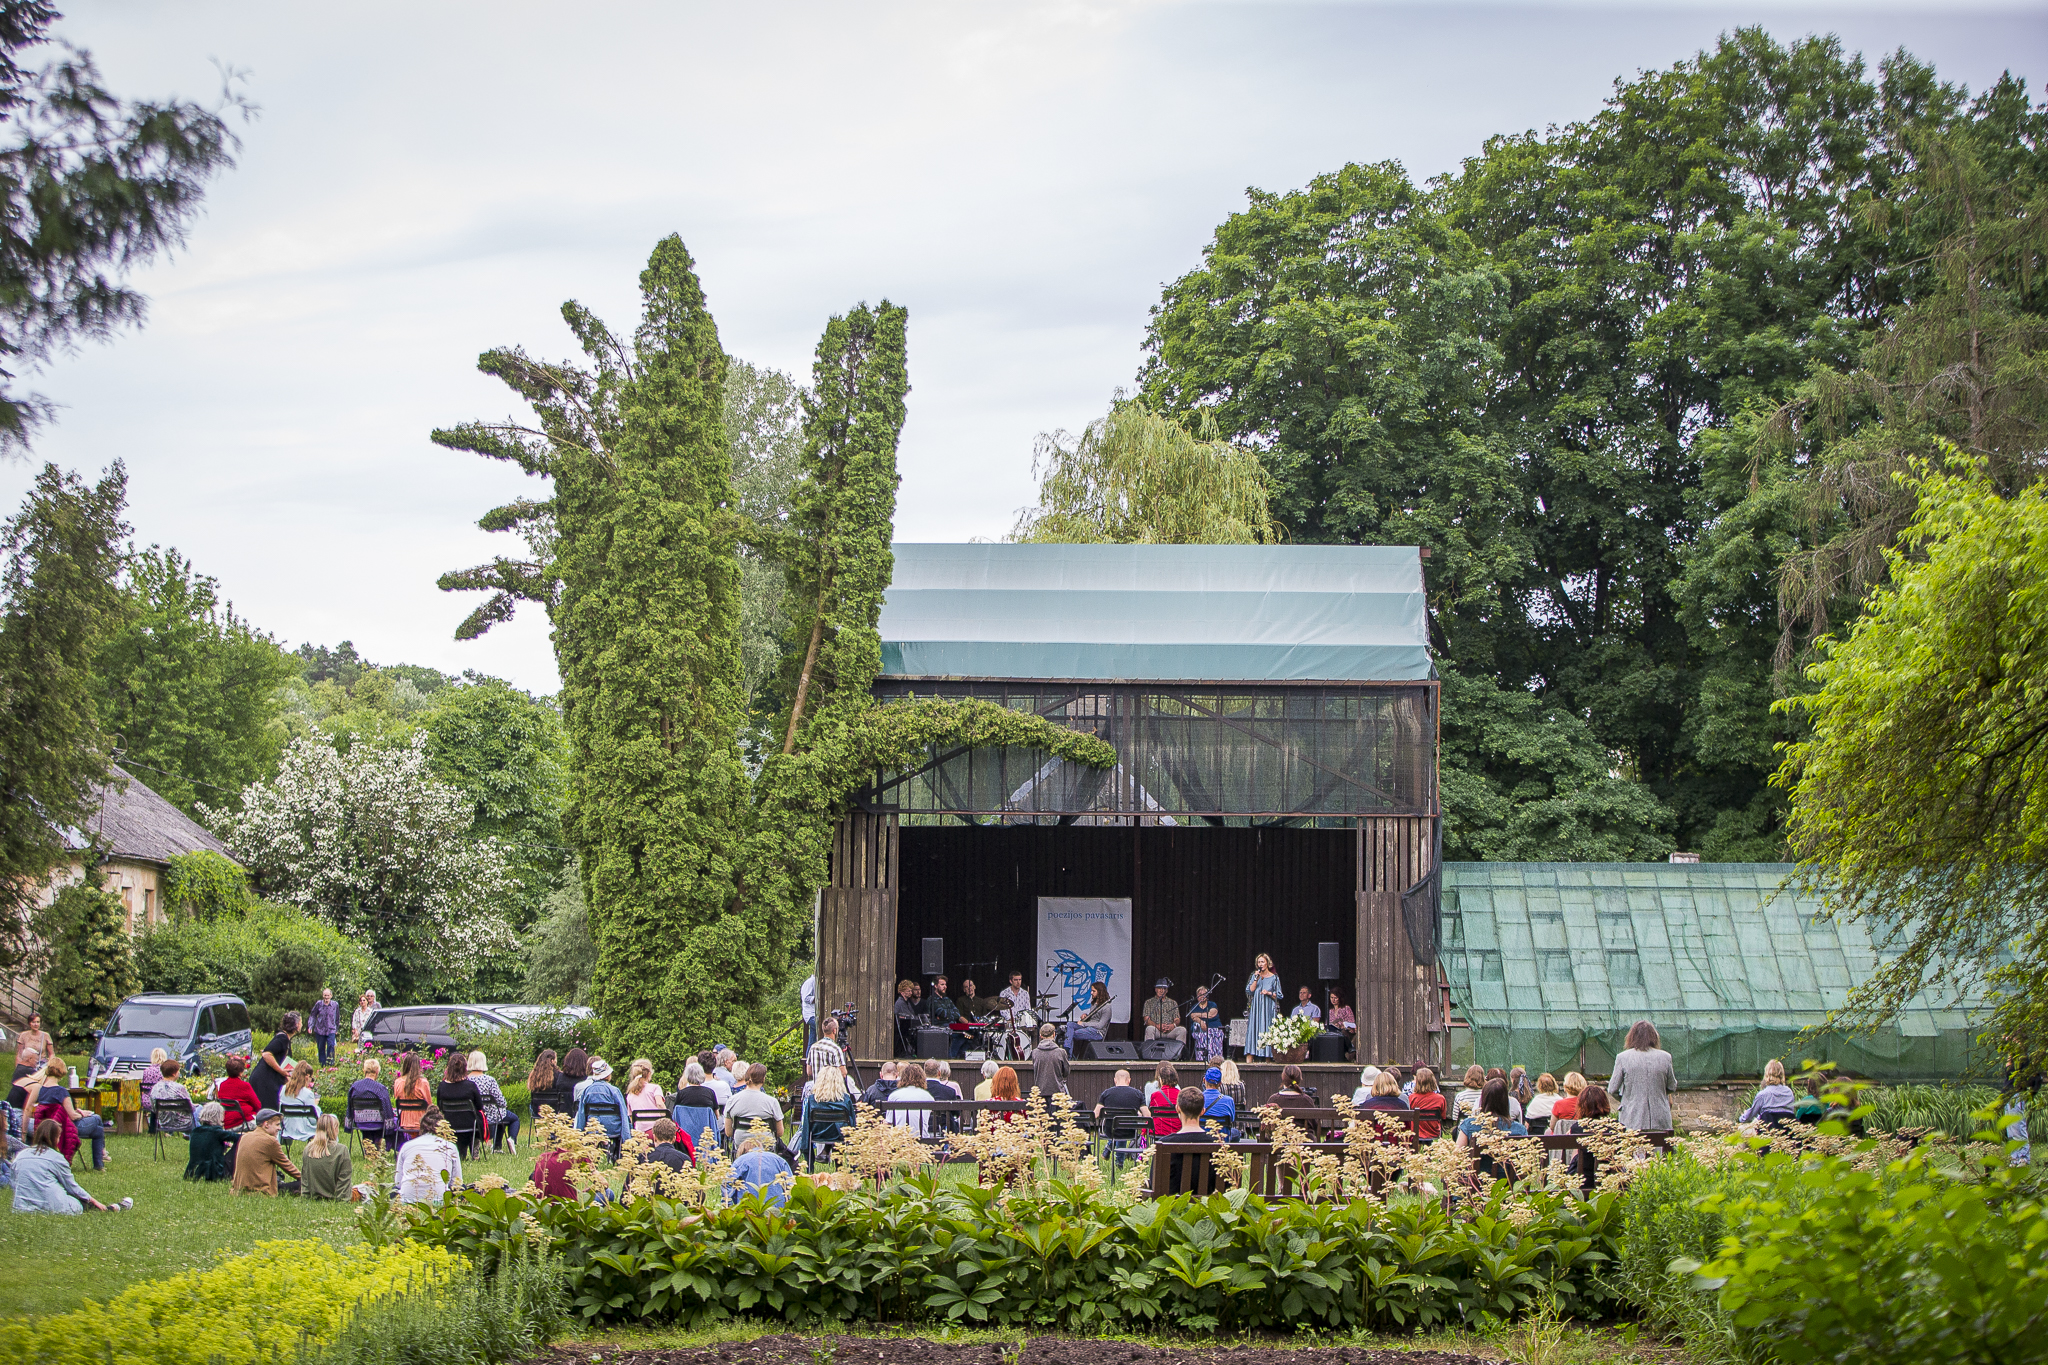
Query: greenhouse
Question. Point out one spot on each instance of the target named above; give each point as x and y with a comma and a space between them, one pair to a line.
1550, 963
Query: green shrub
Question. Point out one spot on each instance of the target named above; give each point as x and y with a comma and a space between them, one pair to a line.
1069, 1259
289, 979
232, 953
205, 885
479, 1319
1938, 1255
91, 967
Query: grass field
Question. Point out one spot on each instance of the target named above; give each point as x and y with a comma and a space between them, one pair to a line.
51, 1264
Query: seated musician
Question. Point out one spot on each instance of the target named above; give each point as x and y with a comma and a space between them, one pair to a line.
939, 1007
1162, 1015
906, 1018
973, 1005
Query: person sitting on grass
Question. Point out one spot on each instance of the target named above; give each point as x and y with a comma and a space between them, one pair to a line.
237, 1097
429, 1165
259, 1156
760, 1171
552, 1170
211, 1155
671, 1145
43, 1182
329, 1172
299, 1091
176, 1120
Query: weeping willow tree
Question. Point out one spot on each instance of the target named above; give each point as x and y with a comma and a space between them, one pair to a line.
1138, 477
698, 872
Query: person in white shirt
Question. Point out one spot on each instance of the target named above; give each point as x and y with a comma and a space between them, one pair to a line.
428, 1166
1366, 1078
807, 995
1015, 995
753, 1103
1307, 1009
910, 1086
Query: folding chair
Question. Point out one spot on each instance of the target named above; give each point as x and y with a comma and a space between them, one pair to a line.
696, 1120
308, 1112
166, 1107
599, 1110
825, 1128
1121, 1129
636, 1117
417, 1108
366, 1122
464, 1120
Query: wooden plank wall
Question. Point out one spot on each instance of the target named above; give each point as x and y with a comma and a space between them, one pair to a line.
857, 929
1393, 853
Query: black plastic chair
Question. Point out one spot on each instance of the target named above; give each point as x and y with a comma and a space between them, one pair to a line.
464, 1120
366, 1121
605, 1109
181, 1104
1121, 1129
308, 1112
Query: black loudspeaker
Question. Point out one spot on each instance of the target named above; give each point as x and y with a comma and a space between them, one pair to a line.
1111, 1050
1326, 960
1326, 1047
1161, 1049
935, 1042
934, 956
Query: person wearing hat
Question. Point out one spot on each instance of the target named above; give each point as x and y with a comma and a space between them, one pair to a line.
600, 1091
1162, 1015
259, 1156
1216, 1105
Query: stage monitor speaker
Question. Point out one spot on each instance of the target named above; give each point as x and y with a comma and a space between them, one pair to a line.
1327, 966
1112, 1050
1326, 1047
934, 956
935, 1042
1161, 1049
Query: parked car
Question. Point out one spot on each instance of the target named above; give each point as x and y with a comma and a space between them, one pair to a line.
429, 1026
528, 1013
188, 1027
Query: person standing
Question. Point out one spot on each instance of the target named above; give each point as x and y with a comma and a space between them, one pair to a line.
274, 1064
31, 1045
1048, 1064
1162, 1015
326, 1022
807, 996
826, 1051
1262, 1006
366, 1005
1643, 1082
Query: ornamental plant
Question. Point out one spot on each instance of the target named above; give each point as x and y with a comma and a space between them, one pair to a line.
1288, 1033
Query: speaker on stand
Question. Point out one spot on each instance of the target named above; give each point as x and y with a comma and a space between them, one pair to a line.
1327, 965
935, 956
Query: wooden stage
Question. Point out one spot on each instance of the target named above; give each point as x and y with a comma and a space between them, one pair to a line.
1086, 1080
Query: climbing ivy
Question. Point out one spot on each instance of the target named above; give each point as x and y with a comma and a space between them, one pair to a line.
699, 876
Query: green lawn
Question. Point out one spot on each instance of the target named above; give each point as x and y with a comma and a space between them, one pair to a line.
50, 1264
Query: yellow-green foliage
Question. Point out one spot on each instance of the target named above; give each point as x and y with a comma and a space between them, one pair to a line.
268, 1304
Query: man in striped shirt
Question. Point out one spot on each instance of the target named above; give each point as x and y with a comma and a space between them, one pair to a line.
826, 1051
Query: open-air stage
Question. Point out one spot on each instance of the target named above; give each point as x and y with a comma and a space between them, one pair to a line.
1274, 712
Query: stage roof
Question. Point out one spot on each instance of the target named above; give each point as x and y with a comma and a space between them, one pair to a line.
1186, 613
1726, 959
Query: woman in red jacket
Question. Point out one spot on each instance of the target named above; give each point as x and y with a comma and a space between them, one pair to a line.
237, 1097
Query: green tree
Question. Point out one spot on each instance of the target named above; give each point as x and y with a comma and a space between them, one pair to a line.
505, 749
191, 690
1920, 802
1135, 476
91, 969
698, 879
204, 885
61, 600
561, 954
764, 425
89, 187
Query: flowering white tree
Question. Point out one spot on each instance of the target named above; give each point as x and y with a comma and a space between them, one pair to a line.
373, 843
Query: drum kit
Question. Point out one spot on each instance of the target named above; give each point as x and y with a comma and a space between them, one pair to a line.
1008, 1036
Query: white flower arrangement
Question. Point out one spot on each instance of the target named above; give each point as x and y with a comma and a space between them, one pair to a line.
1289, 1033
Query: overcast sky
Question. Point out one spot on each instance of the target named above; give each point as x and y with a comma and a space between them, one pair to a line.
426, 181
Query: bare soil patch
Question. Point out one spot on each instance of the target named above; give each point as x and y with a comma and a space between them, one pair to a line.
841, 1350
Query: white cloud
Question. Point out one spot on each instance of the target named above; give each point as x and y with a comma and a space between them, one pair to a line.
428, 181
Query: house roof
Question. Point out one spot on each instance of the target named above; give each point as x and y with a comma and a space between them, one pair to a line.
1728, 960
134, 822
1234, 613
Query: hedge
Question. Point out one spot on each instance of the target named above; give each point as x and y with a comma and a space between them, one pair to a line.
1060, 1258
276, 1302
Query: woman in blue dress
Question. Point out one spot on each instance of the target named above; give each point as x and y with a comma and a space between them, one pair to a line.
1262, 1006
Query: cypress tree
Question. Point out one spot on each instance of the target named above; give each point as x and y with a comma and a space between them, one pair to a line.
699, 881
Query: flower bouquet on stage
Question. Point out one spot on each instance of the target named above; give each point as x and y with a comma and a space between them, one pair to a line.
1287, 1039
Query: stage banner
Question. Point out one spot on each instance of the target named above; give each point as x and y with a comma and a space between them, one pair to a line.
1081, 940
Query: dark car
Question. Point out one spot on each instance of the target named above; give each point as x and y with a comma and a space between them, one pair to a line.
426, 1026
188, 1027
